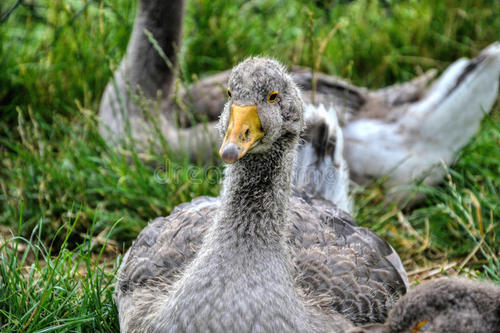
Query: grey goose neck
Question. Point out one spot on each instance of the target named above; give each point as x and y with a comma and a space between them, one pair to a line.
256, 194
145, 66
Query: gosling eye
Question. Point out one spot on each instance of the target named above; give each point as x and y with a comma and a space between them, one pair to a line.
229, 93
272, 97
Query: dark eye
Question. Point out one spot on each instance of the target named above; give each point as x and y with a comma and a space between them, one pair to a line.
229, 93
272, 97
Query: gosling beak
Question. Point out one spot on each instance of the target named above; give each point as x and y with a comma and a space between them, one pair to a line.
243, 132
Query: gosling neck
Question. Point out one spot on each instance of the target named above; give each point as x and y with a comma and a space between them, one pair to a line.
256, 194
145, 66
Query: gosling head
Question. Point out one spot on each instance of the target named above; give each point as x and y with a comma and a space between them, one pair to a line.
264, 104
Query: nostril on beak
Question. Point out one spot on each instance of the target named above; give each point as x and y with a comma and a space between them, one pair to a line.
230, 153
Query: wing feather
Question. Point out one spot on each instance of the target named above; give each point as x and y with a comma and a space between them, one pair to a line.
337, 264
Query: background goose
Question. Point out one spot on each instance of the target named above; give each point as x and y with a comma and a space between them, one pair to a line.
444, 305
400, 132
125, 113
137, 101
408, 142
320, 168
260, 257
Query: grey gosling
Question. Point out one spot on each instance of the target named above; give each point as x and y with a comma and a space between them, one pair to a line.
445, 305
262, 257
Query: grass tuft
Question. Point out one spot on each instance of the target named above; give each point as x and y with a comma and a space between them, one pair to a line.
46, 289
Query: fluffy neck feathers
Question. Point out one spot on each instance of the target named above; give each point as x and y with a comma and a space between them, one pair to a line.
255, 197
243, 266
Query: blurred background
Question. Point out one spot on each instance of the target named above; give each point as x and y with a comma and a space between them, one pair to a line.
69, 204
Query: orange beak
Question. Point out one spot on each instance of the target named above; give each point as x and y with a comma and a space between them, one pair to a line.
243, 132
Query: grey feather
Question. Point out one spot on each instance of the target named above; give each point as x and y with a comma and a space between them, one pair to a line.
447, 305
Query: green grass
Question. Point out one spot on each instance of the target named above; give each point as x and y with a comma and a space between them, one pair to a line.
64, 192
48, 289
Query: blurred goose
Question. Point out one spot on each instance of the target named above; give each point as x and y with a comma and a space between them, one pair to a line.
401, 132
446, 305
262, 257
406, 142
320, 168
137, 103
